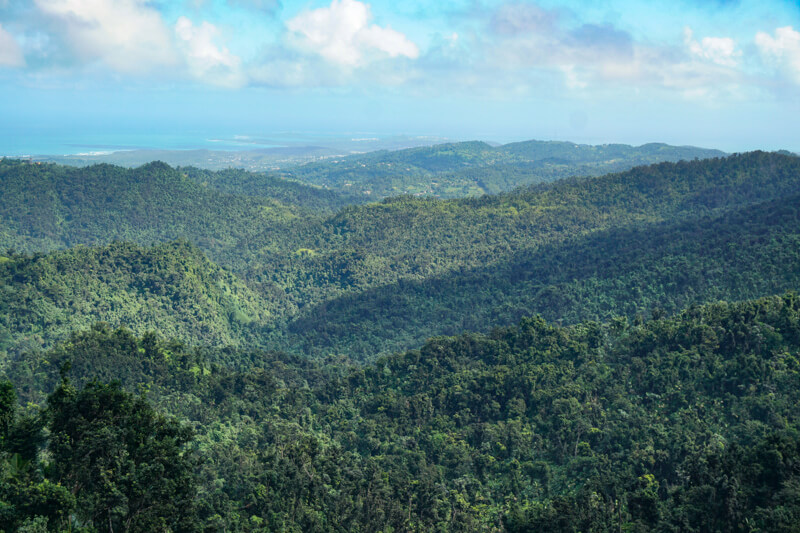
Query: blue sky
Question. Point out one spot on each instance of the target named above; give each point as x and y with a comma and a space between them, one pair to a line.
718, 73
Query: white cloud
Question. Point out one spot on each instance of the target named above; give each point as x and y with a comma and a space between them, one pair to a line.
535, 46
782, 50
342, 34
10, 52
205, 60
718, 50
529, 35
127, 35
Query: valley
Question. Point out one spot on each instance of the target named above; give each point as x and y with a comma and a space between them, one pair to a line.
581, 353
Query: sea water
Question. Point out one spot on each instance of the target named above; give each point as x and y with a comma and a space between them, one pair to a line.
34, 141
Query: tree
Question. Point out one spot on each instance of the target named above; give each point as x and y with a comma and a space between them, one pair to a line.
127, 465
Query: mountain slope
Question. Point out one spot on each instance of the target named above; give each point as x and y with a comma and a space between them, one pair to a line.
689, 423
45, 207
473, 168
170, 288
746, 253
414, 239
263, 185
383, 277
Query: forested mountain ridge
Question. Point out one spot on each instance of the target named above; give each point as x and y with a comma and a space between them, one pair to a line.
265, 185
472, 168
47, 206
383, 277
689, 423
174, 289
739, 254
604, 414
171, 288
363, 247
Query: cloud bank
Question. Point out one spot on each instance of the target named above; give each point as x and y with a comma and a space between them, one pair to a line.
205, 60
514, 47
128, 36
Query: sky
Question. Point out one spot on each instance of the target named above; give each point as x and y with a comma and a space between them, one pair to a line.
715, 73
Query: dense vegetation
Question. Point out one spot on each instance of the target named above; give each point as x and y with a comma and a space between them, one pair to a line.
46, 206
413, 238
739, 254
185, 350
170, 288
383, 277
474, 168
113, 463
689, 423
259, 184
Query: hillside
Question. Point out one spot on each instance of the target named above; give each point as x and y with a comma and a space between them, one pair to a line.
171, 288
46, 206
413, 239
688, 423
383, 277
629, 404
474, 168
740, 254
263, 185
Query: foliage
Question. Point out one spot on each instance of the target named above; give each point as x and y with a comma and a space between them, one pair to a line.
264, 185
739, 254
586, 416
170, 288
688, 423
124, 462
383, 277
46, 206
473, 168
108, 462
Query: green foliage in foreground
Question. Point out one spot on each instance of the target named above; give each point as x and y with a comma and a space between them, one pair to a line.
111, 464
690, 423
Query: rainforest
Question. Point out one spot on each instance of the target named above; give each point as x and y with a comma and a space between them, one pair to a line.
510, 338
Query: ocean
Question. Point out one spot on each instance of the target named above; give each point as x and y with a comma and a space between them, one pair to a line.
45, 141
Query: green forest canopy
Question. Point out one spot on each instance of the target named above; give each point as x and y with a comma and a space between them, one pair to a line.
687, 423
273, 373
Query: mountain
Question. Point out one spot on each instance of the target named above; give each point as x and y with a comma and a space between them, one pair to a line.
45, 207
171, 288
414, 239
617, 358
740, 254
474, 168
689, 423
377, 278
263, 185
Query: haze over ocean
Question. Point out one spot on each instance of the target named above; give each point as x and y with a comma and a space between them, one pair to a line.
132, 73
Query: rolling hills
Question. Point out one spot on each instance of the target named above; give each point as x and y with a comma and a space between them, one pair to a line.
170, 288
743, 253
223, 351
473, 168
377, 278
46, 206
686, 423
